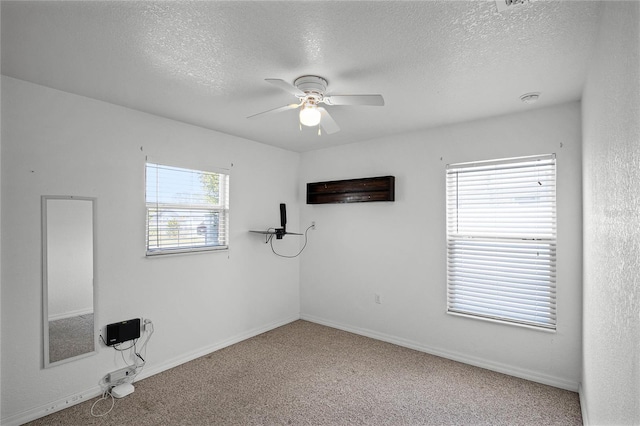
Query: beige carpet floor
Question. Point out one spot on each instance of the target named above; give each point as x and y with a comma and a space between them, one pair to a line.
70, 337
308, 374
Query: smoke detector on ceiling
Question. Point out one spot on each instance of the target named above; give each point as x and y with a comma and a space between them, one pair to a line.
530, 98
508, 4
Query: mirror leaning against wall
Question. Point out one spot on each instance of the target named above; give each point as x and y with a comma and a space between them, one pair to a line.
68, 278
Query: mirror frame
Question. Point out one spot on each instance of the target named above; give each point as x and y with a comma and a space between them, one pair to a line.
45, 287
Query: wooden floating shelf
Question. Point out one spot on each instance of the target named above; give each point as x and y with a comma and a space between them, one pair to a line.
352, 190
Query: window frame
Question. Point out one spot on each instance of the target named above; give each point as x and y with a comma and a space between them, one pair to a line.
221, 210
469, 290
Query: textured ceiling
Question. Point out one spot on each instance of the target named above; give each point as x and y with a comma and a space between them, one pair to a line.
205, 63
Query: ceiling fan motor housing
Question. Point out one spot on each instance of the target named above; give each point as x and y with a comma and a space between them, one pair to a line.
311, 84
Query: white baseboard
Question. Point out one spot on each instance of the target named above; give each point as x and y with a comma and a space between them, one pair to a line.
62, 403
150, 371
71, 314
52, 407
583, 405
455, 356
77, 398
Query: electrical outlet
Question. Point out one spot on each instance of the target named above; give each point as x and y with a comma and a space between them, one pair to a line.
377, 298
74, 399
118, 375
503, 5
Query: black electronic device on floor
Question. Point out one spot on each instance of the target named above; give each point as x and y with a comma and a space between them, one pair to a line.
123, 331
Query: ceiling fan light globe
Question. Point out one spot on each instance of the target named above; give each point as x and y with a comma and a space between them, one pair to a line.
310, 116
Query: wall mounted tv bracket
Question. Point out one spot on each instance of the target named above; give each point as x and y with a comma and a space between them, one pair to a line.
278, 232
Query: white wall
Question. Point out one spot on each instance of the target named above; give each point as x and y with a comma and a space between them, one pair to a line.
57, 143
397, 249
611, 173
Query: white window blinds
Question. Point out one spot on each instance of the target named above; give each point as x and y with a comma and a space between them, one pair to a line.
501, 240
187, 210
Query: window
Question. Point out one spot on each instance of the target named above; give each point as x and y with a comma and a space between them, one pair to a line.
187, 210
501, 240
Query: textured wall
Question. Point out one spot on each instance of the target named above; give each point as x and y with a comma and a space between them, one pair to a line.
611, 348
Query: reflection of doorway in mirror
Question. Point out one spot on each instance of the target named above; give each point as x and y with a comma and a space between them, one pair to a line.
69, 278
70, 258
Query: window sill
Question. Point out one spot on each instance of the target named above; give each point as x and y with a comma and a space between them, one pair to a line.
503, 322
182, 252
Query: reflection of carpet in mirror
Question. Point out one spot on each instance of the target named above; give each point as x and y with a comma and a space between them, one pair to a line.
70, 337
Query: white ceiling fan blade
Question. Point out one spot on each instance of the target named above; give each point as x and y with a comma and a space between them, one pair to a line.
372, 100
327, 122
287, 87
279, 109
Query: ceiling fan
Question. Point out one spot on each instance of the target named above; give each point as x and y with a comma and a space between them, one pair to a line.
311, 93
